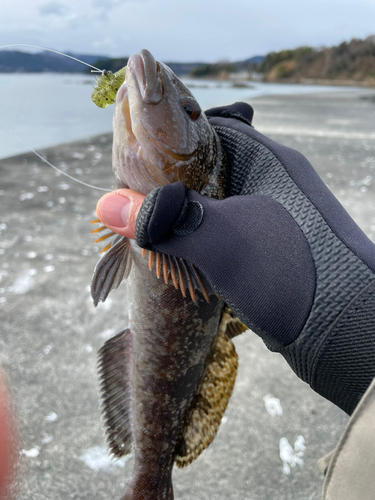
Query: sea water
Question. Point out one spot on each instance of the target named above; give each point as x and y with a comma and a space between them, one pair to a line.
49, 108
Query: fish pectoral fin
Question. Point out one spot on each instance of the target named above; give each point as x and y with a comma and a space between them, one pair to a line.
214, 395
114, 366
111, 269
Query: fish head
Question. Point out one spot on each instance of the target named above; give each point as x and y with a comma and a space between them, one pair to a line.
160, 133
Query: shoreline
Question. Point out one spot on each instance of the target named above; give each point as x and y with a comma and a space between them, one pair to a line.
334, 83
301, 81
87, 79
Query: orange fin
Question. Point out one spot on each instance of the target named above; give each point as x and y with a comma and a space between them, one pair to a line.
150, 259
201, 285
184, 276
189, 280
173, 272
165, 269
106, 248
180, 278
102, 238
101, 228
108, 235
158, 264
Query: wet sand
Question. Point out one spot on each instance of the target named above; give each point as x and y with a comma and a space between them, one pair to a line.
50, 331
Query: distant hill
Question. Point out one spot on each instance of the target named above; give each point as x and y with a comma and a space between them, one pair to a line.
352, 61
213, 70
182, 69
110, 63
193, 69
252, 61
114, 64
24, 62
222, 69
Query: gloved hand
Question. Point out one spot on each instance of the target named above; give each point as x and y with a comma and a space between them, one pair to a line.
248, 247
280, 251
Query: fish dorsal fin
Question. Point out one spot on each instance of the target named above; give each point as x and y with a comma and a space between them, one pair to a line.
114, 365
183, 275
214, 395
111, 269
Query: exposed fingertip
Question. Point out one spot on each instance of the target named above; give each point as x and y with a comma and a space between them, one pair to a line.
113, 210
118, 211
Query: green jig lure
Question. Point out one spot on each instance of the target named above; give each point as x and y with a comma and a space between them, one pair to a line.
107, 86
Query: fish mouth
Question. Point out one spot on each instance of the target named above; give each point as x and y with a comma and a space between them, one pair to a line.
147, 75
145, 72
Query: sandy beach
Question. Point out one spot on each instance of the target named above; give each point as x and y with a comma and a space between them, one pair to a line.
50, 330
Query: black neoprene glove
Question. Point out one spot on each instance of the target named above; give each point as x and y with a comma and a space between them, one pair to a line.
282, 253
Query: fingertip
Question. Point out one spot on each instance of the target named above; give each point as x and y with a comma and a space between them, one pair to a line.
118, 211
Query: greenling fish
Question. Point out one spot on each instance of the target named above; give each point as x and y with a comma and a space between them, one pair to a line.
166, 380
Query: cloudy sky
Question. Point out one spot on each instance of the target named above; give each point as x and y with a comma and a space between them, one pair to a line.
188, 30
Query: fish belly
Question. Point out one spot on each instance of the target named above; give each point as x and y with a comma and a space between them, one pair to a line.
171, 344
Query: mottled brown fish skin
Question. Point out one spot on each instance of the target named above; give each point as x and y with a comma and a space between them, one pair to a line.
160, 136
171, 343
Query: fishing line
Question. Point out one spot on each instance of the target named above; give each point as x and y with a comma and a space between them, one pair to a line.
25, 143
55, 51
49, 163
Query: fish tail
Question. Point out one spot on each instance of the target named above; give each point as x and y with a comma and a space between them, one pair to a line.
149, 488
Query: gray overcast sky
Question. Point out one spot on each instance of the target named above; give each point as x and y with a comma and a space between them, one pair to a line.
188, 30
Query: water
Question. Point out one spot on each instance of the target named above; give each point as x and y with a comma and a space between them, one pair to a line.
48, 109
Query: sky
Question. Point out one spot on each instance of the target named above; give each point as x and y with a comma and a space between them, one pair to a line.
189, 30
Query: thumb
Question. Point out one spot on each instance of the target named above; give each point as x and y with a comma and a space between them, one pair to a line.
118, 211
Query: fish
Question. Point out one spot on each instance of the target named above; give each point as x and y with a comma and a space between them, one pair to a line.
167, 378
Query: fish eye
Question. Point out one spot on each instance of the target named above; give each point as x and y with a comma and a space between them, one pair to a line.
191, 108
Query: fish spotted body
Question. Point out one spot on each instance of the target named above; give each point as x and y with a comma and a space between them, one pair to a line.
167, 379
